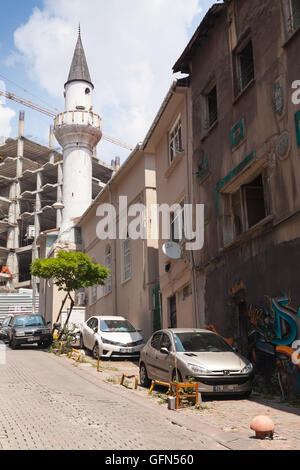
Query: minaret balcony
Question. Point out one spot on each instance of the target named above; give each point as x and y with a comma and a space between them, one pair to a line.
78, 117
78, 126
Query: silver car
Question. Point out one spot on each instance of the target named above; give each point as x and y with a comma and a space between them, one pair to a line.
184, 353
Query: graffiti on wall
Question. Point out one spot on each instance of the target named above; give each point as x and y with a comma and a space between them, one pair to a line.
276, 331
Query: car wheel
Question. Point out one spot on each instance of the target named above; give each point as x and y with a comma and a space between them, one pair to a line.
96, 351
176, 377
13, 344
81, 342
144, 380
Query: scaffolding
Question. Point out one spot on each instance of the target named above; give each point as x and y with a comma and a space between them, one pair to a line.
31, 182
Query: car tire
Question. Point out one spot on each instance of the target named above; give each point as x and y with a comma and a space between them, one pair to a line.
13, 344
144, 380
174, 376
96, 351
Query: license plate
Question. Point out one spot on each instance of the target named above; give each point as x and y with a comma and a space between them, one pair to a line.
126, 350
225, 388
33, 339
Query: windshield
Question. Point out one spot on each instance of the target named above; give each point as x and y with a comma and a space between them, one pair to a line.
118, 326
200, 342
29, 320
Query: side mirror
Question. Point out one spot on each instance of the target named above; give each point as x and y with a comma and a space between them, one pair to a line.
95, 329
164, 351
138, 330
48, 322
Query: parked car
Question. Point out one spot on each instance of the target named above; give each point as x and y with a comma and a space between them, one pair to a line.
111, 336
4, 328
181, 354
26, 329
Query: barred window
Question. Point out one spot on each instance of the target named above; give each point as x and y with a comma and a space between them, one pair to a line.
126, 259
175, 140
108, 265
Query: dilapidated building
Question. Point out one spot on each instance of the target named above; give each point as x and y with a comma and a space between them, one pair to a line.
242, 62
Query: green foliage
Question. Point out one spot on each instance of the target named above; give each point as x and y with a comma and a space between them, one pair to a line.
70, 271
68, 338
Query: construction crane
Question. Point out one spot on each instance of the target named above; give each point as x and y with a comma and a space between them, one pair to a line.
47, 112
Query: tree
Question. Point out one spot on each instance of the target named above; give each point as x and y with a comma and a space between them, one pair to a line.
70, 272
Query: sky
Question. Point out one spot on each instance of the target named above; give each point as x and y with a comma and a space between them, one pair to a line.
130, 47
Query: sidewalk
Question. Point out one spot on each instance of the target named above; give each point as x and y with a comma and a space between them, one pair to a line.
224, 421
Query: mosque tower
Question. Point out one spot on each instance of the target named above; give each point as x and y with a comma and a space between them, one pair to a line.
78, 130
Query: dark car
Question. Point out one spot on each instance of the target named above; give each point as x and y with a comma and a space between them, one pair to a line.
4, 328
26, 329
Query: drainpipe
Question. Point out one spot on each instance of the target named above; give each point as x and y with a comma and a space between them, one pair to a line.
189, 201
115, 263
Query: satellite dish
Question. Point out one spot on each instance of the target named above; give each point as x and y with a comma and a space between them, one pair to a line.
172, 250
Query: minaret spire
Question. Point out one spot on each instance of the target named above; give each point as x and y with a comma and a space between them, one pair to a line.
79, 68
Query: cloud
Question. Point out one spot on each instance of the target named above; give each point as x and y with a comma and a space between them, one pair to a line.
130, 48
6, 116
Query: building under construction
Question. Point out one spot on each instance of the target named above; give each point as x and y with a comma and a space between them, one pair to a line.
31, 182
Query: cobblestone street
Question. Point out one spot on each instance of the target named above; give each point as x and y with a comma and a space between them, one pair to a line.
46, 405
49, 402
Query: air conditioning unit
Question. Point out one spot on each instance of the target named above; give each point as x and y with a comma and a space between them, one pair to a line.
81, 299
30, 233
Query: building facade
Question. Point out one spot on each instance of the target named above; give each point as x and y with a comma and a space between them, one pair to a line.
242, 63
169, 140
132, 262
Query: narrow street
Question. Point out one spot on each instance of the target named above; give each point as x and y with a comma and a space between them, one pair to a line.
50, 402
46, 404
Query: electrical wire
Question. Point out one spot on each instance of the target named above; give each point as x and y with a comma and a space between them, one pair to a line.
28, 92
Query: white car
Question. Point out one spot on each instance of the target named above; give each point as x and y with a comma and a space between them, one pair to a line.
111, 336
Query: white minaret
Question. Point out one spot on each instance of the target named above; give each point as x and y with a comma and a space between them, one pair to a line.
78, 130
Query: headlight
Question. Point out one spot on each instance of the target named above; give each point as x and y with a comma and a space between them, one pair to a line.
247, 369
19, 333
199, 370
107, 341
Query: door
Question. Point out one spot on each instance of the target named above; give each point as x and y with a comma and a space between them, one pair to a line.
88, 332
172, 312
153, 372
164, 362
156, 309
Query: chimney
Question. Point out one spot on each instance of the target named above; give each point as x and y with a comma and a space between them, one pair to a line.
117, 163
21, 123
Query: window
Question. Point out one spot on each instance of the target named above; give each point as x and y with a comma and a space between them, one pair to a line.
155, 341
293, 15
165, 342
175, 140
93, 294
247, 208
211, 108
108, 265
244, 66
93, 324
126, 260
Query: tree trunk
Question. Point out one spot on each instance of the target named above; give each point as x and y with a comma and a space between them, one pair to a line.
60, 311
69, 314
